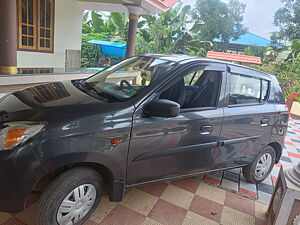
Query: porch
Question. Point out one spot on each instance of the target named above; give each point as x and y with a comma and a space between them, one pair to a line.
47, 33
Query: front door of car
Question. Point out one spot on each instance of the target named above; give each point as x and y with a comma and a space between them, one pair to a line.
248, 117
166, 147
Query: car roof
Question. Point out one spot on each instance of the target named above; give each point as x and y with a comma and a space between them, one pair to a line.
183, 58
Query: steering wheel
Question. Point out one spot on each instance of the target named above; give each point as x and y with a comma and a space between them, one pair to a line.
126, 83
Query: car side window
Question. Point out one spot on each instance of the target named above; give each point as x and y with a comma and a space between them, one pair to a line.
265, 86
192, 78
197, 89
247, 89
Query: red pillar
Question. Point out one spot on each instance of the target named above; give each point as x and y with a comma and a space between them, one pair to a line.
131, 39
8, 36
134, 12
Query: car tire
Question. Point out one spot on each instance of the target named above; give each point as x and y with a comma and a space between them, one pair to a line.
63, 199
262, 165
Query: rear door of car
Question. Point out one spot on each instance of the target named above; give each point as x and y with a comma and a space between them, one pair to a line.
248, 117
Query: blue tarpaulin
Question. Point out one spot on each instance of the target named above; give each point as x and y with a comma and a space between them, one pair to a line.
111, 48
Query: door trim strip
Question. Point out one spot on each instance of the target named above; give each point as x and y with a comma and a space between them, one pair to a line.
170, 151
237, 140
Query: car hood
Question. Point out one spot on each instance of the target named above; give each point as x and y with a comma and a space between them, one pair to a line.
50, 101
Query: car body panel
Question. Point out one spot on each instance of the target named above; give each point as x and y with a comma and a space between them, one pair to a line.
19, 170
164, 147
89, 140
279, 128
242, 136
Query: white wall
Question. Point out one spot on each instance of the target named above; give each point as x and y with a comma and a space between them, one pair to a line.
67, 35
68, 30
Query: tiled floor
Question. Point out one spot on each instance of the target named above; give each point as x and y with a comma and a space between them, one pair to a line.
180, 202
188, 201
234, 180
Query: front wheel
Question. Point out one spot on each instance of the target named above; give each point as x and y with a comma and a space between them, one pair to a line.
71, 198
260, 168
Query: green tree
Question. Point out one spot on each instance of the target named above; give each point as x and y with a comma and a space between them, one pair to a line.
92, 22
287, 19
91, 53
219, 20
291, 55
285, 67
114, 23
171, 32
158, 32
256, 51
99, 26
180, 30
120, 22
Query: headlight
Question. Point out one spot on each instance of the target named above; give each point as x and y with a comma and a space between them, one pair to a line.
15, 133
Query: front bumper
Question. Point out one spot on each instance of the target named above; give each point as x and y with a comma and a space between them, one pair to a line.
19, 170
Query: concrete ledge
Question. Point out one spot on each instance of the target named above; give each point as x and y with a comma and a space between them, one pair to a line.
10, 83
295, 111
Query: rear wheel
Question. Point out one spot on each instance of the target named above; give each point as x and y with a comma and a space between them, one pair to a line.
71, 198
260, 168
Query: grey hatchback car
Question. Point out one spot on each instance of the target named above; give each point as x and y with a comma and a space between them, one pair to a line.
146, 119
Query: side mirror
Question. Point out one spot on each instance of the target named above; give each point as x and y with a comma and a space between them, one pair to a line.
162, 108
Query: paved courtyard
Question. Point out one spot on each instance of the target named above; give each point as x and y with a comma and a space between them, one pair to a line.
234, 180
187, 201
216, 198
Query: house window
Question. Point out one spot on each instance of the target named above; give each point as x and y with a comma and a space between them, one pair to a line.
36, 24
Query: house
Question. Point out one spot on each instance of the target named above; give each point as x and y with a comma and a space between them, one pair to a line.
245, 40
45, 34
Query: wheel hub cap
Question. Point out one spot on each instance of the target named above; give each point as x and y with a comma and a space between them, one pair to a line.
79, 205
76, 205
263, 165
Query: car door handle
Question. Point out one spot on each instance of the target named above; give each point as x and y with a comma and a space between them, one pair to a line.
205, 130
264, 122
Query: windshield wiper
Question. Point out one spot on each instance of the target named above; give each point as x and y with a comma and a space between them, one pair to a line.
89, 86
109, 96
102, 94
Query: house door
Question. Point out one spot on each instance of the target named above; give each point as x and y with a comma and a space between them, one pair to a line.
73, 58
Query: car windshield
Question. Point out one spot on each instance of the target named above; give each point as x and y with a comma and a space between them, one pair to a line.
126, 79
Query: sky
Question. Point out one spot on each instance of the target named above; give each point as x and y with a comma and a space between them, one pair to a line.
258, 16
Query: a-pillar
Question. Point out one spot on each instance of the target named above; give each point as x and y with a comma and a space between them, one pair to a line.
134, 14
8, 36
